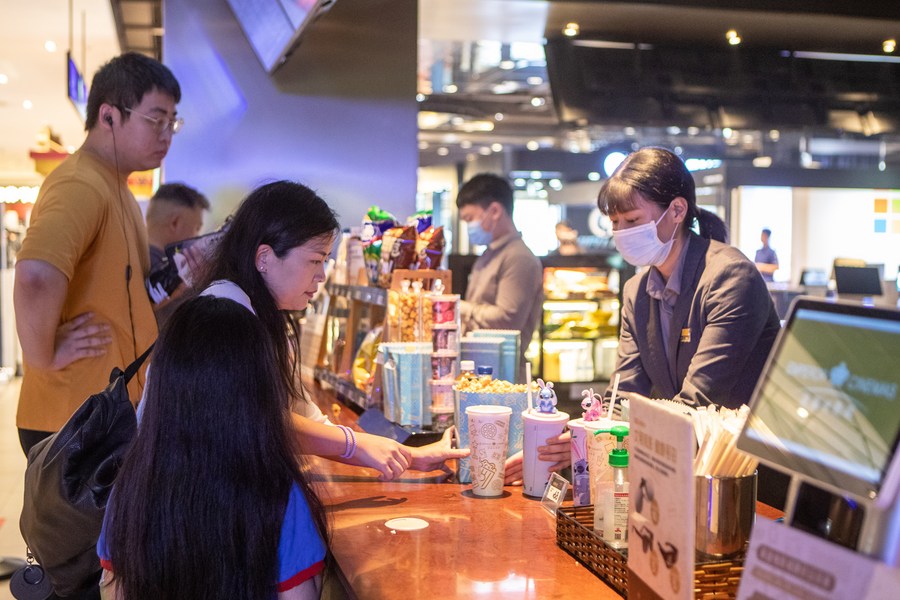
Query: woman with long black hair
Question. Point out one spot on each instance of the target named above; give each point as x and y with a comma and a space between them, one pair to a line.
211, 501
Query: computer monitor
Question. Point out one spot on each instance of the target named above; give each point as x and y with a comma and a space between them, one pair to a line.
827, 405
813, 278
861, 281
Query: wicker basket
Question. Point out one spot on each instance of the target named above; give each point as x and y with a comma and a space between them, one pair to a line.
575, 534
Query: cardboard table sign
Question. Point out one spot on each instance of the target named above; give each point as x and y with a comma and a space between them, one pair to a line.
661, 489
784, 562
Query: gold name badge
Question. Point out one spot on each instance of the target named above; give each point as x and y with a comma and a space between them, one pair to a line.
685, 336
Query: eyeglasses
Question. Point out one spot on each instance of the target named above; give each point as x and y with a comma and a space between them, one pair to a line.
161, 124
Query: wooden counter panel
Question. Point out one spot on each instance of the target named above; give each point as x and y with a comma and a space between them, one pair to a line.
472, 547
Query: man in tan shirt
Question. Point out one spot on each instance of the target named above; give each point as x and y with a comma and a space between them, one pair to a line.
81, 306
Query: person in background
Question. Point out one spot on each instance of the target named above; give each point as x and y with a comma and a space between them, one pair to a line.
174, 213
568, 240
766, 260
698, 323
211, 500
505, 288
506, 284
271, 260
80, 301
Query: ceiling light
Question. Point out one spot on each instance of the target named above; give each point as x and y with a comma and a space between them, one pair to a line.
457, 121
571, 29
734, 41
507, 65
678, 150
673, 130
50, 46
762, 162
542, 194
882, 166
532, 145
594, 176
732, 36
774, 135
520, 182
537, 185
442, 151
536, 174
505, 87
693, 130
537, 102
612, 161
465, 144
420, 97
497, 147
498, 117
535, 80
450, 89
628, 131
423, 145
484, 150
27, 105
889, 45
3, 79
726, 132
556, 184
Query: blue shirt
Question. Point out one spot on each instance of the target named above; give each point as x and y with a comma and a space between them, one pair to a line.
766, 256
301, 551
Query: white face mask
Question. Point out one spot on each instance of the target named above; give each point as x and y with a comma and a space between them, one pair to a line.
641, 246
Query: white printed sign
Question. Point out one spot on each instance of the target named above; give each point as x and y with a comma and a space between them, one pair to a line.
661, 485
784, 562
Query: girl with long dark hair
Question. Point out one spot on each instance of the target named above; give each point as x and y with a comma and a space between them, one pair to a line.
210, 501
698, 322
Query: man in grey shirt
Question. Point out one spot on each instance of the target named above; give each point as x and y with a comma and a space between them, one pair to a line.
505, 287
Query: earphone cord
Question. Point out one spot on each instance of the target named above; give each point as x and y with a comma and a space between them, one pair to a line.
127, 247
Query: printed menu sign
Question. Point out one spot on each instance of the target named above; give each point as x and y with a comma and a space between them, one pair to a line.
783, 562
661, 487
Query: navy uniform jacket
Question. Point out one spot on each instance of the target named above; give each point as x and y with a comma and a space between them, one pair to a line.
723, 325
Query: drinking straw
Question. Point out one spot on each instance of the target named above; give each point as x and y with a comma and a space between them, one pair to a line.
528, 385
612, 400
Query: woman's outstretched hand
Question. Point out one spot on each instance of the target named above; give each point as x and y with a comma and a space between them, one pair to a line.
432, 456
385, 455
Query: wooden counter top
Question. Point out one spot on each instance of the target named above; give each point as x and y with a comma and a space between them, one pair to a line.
471, 548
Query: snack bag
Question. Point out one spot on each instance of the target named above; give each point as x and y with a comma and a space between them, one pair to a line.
375, 223
430, 248
364, 363
398, 251
422, 220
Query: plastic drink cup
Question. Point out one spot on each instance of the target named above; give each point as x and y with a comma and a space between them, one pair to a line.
488, 434
536, 428
581, 482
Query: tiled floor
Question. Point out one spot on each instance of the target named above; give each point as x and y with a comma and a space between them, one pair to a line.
12, 467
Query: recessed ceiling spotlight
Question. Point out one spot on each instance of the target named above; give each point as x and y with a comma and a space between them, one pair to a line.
423, 145
497, 147
628, 131
673, 130
420, 97
727, 132
538, 101
556, 184
542, 194
3, 79
519, 182
678, 150
450, 89
594, 176
442, 151
732, 36
882, 166
535, 80
774, 135
27, 104
889, 45
533, 145
498, 117
50, 46
693, 130
571, 29
612, 161
465, 144
507, 65
484, 150
536, 174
